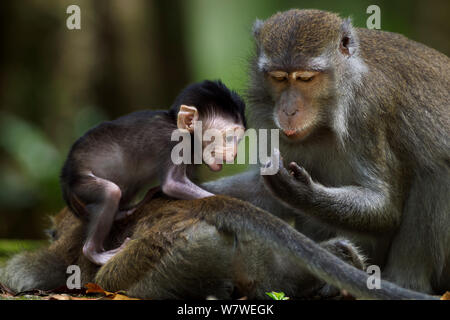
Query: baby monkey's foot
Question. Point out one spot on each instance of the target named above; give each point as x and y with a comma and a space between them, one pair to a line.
101, 257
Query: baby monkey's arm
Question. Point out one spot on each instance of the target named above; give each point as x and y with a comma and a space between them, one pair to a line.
178, 185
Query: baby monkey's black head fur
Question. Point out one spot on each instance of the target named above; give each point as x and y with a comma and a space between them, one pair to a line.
211, 97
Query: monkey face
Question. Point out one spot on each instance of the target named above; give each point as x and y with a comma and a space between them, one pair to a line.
220, 143
303, 56
298, 99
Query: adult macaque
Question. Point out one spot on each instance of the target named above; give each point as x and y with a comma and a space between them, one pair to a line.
366, 126
112, 162
216, 246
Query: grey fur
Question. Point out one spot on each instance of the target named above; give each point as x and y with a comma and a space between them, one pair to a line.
384, 182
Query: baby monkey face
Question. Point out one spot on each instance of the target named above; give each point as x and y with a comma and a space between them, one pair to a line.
220, 144
218, 132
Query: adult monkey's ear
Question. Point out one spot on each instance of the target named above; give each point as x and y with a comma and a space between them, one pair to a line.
349, 39
256, 30
187, 116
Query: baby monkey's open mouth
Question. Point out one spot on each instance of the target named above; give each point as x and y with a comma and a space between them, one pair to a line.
215, 166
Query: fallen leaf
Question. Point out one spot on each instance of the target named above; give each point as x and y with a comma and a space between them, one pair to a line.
123, 297
59, 297
94, 288
446, 296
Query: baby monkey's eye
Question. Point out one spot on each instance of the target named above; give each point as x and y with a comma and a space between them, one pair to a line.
279, 76
230, 138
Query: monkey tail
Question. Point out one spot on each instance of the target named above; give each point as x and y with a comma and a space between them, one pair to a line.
312, 256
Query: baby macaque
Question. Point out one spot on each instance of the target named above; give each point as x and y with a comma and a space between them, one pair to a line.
112, 162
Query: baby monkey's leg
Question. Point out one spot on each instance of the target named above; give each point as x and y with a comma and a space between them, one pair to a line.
176, 184
102, 199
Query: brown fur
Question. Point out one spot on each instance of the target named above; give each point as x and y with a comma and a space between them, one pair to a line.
179, 249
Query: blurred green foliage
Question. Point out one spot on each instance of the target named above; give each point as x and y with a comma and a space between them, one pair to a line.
10, 247
129, 55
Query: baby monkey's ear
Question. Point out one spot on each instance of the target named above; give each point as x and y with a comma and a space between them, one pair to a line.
187, 117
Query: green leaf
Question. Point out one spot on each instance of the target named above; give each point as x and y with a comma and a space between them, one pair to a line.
277, 295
